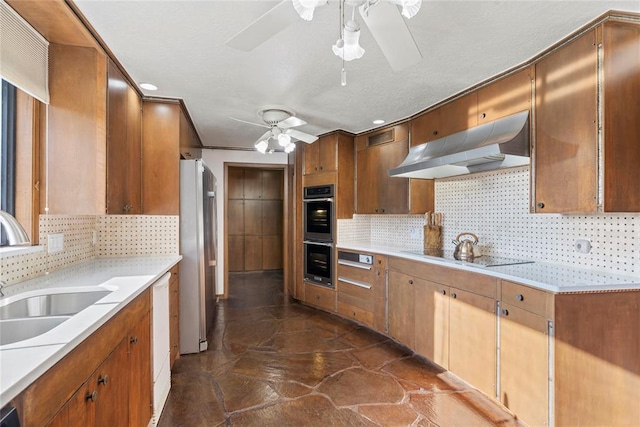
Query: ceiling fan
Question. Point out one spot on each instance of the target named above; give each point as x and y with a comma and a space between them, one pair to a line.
279, 122
383, 18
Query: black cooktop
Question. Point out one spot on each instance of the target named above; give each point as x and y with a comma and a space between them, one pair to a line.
481, 261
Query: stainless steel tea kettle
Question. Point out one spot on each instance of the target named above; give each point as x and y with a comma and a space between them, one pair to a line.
464, 248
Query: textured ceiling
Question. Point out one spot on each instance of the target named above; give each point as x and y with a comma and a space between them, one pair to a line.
179, 46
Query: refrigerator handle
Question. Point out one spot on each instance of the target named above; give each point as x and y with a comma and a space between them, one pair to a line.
211, 194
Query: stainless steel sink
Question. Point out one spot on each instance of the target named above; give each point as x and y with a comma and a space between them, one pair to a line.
59, 304
14, 330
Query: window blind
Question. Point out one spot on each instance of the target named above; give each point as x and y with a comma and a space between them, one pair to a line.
24, 54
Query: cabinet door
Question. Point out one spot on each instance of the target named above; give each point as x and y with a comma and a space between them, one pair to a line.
272, 217
524, 364
112, 383
140, 380
253, 183
311, 158
328, 153
472, 339
235, 215
368, 181
236, 253
272, 184
253, 217
393, 192
174, 319
425, 127
272, 252
252, 253
432, 321
235, 183
504, 97
401, 308
565, 151
458, 115
79, 410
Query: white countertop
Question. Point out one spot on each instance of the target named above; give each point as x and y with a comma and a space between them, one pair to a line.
549, 277
23, 362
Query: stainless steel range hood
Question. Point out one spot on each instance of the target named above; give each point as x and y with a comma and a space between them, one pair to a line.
494, 145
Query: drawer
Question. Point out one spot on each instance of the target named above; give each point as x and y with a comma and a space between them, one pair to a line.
355, 313
361, 298
526, 298
361, 273
320, 296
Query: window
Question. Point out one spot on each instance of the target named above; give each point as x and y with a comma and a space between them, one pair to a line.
7, 151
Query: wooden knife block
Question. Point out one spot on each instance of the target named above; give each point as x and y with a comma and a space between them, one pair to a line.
432, 239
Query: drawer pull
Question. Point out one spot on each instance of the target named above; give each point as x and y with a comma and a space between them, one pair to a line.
505, 312
520, 297
103, 380
355, 283
443, 292
354, 264
411, 282
133, 340
91, 396
453, 295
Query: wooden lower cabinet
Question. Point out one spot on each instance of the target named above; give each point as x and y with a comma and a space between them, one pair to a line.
472, 339
105, 381
524, 364
320, 296
432, 321
174, 315
401, 308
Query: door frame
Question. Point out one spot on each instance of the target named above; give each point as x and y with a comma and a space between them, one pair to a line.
287, 217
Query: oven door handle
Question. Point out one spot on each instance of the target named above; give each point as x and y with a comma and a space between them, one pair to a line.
330, 199
309, 242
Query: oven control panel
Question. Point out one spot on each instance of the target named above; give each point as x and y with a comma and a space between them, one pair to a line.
365, 259
356, 257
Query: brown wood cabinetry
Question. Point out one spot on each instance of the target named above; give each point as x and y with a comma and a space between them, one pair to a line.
567, 152
163, 131
174, 315
109, 363
255, 219
124, 131
322, 155
432, 321
452, 117
377, 192
320, 296
509, 95
402, 308
362, 291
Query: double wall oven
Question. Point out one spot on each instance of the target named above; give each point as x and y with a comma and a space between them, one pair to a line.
318, 222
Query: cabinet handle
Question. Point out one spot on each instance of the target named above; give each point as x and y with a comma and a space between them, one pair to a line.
411, 282
505, 312
320, 167
382, 210
376, 210
443, 292
435, 133
378, 273
353, 313
103, 380
175, 346
520, 297
315, 168
483, 115
540, 205
175, 316
379, 261
318, 297
133, 340
453, 295
91, 396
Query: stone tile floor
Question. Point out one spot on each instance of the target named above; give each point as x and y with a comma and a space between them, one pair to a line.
274, 362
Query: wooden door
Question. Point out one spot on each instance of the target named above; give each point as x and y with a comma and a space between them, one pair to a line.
236, 253
432, 321
272, 184
252, 184
402, 308
327, 156
311, 158
472, 339
272, 214
368, 181
79, 411
565, 152
272, 252
253, 253
140, 377
253, 217
235, 183
504, 97
235, 224
393, 192
524, 364
426, 127
458, 115
117, 151
112, 383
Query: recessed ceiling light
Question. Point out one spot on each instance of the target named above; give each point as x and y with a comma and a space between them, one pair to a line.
378, 122
148, 86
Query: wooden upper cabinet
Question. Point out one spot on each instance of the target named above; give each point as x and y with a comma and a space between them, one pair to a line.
452, 117
124, 131
504, 97
321, 156
190, 145
566, 146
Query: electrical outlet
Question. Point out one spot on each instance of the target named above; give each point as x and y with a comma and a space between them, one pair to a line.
55, 242
583, 246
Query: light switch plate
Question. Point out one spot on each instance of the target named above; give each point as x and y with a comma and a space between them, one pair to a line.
55, 242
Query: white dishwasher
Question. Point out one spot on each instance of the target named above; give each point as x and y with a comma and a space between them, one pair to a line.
161, 346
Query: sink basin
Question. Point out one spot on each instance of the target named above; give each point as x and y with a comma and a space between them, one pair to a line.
14, 330
58, 304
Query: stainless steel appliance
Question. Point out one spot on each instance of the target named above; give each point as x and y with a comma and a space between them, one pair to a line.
318, 213
318, 263
479, 261
198, 248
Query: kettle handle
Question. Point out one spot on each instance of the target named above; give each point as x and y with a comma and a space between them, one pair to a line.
466, 233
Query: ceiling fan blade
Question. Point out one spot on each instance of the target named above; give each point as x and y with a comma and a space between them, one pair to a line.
266, 135
250, 123
291, 122
304, 137
392, 34
265, 27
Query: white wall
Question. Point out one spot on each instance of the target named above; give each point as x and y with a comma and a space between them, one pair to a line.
216, 160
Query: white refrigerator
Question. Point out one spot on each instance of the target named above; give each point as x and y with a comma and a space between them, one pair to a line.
198, 236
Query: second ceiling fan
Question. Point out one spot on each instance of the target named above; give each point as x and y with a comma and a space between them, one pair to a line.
383, 18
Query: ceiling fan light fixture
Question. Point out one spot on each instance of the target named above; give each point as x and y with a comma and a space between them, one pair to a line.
284, 140
351, 49
289, 147
262, 146
305, 8
409, 7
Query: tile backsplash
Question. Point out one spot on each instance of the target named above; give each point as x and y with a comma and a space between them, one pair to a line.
117, 236
495, 206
